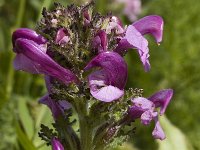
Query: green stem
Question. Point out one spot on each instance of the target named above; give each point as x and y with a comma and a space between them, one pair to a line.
85, 133
67, 132
86, 129
20, 13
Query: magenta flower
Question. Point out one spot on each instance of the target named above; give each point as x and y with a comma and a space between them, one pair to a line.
145, 109
107, 84
134, 37
30, 48
56, 145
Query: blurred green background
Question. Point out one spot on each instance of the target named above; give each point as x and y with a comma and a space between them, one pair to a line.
175, 64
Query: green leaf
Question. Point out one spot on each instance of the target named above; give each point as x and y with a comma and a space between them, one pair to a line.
23, 139
25, 117
175, 138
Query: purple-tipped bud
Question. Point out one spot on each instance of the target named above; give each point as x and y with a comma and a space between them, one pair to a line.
116, 25
117, 20
100, 41
62, 36
87, 18
56, 145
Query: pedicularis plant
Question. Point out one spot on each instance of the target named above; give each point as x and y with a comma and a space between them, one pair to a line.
81, 54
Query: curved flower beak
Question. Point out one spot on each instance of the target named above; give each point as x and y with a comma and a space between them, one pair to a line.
32, 57
100, 41
56, 145
29, 34
161, 99
151, 25
134, 39
107, 84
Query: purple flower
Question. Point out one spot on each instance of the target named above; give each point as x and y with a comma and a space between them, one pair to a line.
56, 145
107, 84
57, 107
134, 37
30, 48
145, 109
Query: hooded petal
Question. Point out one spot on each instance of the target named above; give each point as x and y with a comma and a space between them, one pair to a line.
110, 78
56, 145
150, 25
62, 36
44, 64
100, 41
114, 67
27, 34
158, 132
134, 39
161, 99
